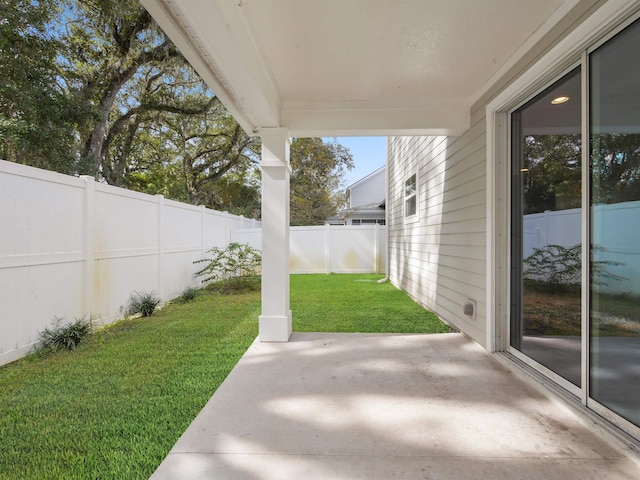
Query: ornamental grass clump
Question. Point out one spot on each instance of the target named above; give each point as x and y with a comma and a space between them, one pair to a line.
61, 337
188, 294
144, 303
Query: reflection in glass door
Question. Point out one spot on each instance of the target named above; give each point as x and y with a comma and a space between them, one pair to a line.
546, 228
615, 224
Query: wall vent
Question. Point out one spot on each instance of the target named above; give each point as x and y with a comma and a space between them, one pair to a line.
469, 309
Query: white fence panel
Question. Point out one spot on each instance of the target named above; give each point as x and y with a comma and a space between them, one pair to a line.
250, 236
329, 249
562, 227
310, 249
353, 251
124, 231
41, 261
619, 231
70, 246
182, 227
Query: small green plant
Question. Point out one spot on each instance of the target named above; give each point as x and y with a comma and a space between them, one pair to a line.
236, 265
68, 336
559, 267
555, 265
144, 303
188, 294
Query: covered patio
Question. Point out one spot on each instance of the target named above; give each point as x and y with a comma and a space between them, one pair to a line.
354, 406
286, 68
439, 78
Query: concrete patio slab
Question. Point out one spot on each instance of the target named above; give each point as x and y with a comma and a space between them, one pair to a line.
360, 406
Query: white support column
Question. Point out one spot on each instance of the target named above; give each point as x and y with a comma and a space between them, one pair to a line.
275, 321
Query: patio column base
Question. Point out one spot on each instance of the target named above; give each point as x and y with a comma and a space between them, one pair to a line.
275, 329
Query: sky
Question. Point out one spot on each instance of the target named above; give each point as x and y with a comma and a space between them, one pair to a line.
369, 154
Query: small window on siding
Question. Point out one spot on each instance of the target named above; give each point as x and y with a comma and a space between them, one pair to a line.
411, 198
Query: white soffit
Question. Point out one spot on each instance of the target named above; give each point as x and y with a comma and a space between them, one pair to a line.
354, 67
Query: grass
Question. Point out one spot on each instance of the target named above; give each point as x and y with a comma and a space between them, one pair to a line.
114, 407
356, 303
548, 312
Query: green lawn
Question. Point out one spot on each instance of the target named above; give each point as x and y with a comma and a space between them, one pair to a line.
114, 408
356, 303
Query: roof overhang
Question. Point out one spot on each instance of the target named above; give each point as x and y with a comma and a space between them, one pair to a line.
354, 67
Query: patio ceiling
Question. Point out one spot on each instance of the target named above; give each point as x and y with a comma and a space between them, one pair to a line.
354, 67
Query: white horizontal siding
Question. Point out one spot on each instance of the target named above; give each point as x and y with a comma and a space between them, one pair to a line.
368, 190
441, 259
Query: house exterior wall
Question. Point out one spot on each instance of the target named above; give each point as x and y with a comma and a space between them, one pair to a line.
439, 259
368, 190
457, 247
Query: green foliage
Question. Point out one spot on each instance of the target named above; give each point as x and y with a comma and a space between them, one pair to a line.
37, 117
233, 263
555, 265
318, 169
65, 337
237, 192
234, 285
554, 164
95, 87
560, 267
615, 168
144, 303
553, 176
188, 294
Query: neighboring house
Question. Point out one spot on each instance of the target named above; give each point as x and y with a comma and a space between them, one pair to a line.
495, 111
366, 201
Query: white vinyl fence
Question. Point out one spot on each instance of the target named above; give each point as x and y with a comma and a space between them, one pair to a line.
618, 230
329, 249
71, 247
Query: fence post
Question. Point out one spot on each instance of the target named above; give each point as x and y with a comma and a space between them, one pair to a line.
89, 244
545, 227
327, 249
161, 246
227, 229
202, 229
376, 248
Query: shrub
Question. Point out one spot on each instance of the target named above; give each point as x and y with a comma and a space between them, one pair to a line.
555, 265
65, 336
188, 294
233, 264
143, 302
249, 283
560, 267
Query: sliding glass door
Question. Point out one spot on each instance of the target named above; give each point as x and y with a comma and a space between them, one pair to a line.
546, 228
614, 338
552, 316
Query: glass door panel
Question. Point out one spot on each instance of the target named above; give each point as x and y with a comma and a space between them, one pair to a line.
546, 228
615, 224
